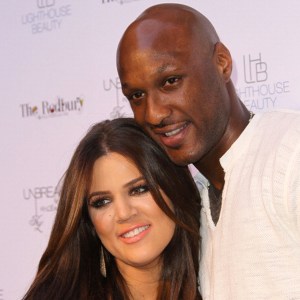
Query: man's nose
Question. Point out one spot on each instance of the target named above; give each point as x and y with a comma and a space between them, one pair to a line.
157, 109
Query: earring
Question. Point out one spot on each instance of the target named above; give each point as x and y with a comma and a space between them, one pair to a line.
102, 262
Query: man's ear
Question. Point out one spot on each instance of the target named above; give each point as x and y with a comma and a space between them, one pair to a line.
223, 61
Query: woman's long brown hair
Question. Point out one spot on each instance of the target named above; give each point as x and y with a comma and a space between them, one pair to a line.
70, 265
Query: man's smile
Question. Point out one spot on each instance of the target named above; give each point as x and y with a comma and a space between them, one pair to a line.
172, 136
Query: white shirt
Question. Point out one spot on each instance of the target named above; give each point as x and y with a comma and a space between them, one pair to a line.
254, 250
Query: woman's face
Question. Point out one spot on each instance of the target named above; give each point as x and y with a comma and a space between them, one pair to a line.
128, 221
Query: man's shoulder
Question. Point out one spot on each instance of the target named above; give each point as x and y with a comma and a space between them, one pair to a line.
280, 115
285, 121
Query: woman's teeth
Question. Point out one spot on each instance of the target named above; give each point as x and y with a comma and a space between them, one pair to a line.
135, 232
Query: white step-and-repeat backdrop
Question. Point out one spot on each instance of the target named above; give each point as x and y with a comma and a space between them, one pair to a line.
58, 76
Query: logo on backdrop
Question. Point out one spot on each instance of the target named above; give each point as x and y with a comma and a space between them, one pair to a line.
56, 108
255, 70
1, 294
45, 3
44, 200
117, 1
259, 92
122, 107
47, 16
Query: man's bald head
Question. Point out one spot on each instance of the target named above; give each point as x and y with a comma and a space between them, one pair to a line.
169, 23
181, 15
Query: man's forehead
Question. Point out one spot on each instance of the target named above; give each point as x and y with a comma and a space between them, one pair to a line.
160, 60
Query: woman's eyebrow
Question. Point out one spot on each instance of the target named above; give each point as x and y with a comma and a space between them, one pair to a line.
133, 181
99, 193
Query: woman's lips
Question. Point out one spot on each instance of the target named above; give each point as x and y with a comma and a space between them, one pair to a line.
135, 234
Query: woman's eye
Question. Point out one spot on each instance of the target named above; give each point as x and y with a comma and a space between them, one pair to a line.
141, 189
98, 203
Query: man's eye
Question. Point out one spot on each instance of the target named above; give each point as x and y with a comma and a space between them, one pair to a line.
141, 189
172, 81
100, 202
136, 96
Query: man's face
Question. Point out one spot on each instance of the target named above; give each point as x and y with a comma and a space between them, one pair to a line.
175, 90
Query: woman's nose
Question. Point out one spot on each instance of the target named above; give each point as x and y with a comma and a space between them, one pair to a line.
124, 210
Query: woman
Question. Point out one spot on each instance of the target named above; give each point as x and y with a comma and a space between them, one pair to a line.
127, 224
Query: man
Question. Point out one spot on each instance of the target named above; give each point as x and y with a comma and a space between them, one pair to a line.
176, 74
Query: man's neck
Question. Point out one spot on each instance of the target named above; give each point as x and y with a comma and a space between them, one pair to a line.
210, 165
